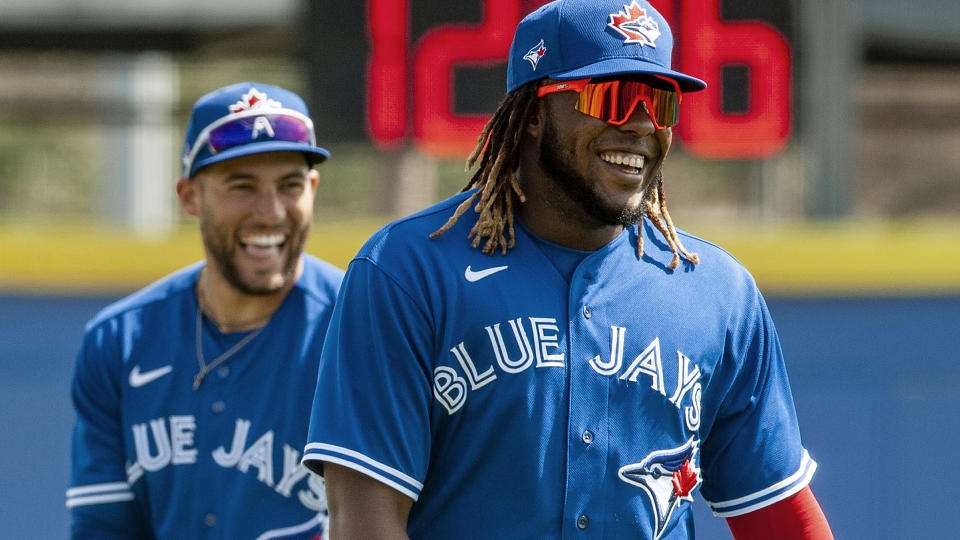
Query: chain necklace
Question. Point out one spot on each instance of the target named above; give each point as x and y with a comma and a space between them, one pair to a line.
206, 368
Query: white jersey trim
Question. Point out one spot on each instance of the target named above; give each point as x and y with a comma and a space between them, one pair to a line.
100, 499
357, 455
294, 529
791, 485
97, 488
361, 469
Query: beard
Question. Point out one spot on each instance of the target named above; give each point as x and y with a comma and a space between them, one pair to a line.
579, 189
221, 254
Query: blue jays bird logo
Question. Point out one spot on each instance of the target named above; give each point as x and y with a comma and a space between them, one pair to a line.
635, 25
535, 54
254, 99
667, 477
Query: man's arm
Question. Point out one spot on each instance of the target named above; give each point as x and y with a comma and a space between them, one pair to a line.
362, 507
100, 499
798, 517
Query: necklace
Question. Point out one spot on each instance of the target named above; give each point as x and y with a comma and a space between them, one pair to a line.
206, 368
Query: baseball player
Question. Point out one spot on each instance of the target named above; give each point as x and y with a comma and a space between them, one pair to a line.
193, 395
545, 355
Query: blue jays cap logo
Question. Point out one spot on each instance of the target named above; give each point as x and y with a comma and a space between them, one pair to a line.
635, 25
254, 99
667, 477
535, 54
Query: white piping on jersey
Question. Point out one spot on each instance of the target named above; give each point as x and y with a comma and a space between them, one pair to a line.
99, 493
800, 479
367, 471
319, 518
96, 488
357, 455
100, 499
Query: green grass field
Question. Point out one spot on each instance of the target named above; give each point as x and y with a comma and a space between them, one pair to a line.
806, 259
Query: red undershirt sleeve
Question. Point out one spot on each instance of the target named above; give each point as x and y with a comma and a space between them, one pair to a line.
798, 517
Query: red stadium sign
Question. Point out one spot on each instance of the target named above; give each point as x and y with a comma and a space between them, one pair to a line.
707, 47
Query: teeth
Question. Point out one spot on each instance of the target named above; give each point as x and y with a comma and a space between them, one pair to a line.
619, 158
264, 240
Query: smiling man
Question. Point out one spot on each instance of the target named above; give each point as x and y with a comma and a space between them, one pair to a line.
542, 356
192, 395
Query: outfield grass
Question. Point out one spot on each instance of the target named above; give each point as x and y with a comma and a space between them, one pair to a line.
805, 259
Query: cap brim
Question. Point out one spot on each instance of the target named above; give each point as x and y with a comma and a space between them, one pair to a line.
314, 154
622, 66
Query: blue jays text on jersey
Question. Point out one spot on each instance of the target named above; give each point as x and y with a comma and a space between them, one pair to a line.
606, 388
155, 458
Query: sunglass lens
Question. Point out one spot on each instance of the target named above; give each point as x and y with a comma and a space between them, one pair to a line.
251, 128
615, 101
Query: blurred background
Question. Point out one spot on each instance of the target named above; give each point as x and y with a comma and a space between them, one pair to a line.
825, 155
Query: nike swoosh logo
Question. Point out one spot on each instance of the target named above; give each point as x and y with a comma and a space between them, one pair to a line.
477, 275
138, 379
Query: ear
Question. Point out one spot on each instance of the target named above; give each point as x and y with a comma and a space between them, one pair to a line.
665, 138
188, 193
535, 120
314, 178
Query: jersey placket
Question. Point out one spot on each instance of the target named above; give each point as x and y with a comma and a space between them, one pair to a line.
587, 431
217, 400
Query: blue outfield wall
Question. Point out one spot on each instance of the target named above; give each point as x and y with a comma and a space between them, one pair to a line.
876, 380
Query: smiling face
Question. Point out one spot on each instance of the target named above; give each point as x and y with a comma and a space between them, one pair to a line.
591, 172
585, 179
255, 214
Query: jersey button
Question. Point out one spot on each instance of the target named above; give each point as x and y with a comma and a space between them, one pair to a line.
210, 519
223, 372
586, 312
587, 436
582, 522
217, 407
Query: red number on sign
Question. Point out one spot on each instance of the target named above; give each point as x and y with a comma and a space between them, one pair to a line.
386, 72
437, 130
704, 128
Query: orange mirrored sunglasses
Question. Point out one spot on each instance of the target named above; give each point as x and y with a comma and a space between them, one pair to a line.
614, 101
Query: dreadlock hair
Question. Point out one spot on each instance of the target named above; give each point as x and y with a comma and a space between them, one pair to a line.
499, 191
655, 203
496, 177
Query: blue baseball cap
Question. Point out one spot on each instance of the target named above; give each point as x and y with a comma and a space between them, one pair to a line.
248, 118
580, 39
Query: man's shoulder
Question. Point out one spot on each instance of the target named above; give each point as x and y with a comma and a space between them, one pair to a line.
722, 259
720, 273
158, 294
717, 269
320, 279
411, 235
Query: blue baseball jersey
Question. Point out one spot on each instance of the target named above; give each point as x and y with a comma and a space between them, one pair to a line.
154, 458
551, 393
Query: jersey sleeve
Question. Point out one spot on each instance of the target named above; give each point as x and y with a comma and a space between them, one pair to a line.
753, 456
100, 499
371, 410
